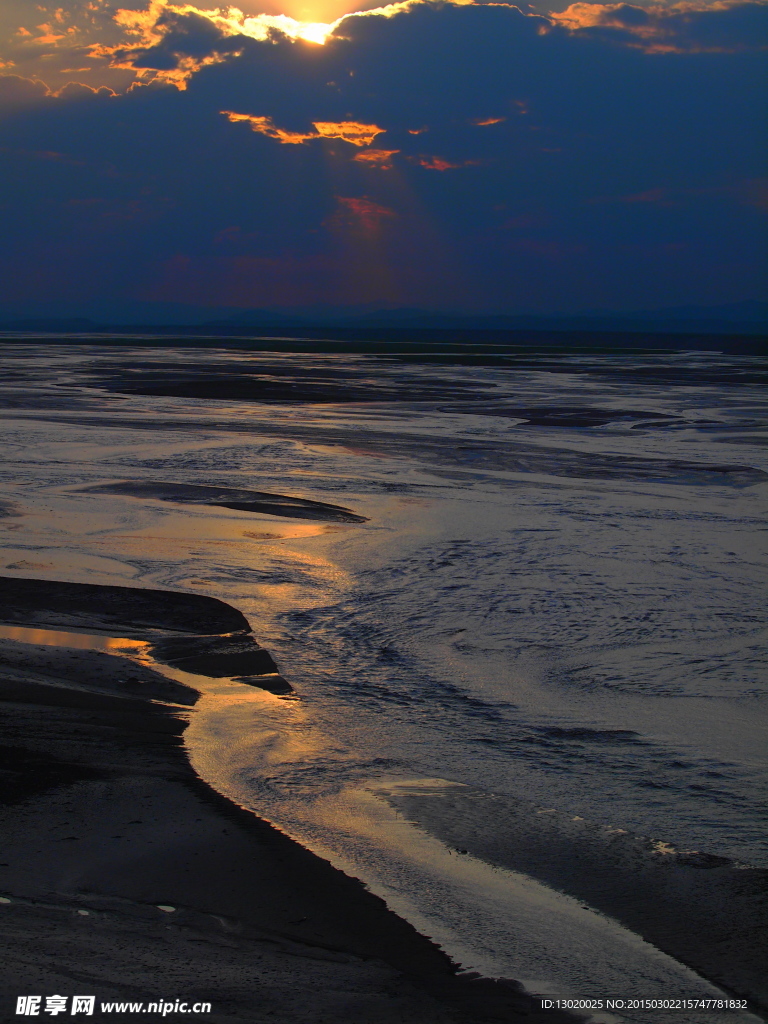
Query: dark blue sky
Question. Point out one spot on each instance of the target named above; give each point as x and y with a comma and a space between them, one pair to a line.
447, 156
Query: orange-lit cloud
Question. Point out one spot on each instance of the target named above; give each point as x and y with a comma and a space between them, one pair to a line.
585, 15
361, 210
165, 41
390, 10
48, 35
266, 126
162, 26
104, 225
381, 158
16, 92
149, 26
655, 28
145, 24
437, 163
349, 131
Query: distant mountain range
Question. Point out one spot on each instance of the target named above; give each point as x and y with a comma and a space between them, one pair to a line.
750, 318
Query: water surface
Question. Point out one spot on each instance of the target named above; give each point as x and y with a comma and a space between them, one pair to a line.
556, 598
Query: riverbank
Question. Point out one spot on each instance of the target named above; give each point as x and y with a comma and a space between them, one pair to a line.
123, 875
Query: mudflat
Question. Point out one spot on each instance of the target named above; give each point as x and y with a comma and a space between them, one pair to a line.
243, 500
123, 875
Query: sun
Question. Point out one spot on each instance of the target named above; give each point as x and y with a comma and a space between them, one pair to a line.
309, 31
313, 31
315, 16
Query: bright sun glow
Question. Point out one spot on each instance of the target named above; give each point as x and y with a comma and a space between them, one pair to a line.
232, 21
147, 28
310, 31
258, 26
313, 31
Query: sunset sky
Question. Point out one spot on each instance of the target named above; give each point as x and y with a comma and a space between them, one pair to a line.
442, 155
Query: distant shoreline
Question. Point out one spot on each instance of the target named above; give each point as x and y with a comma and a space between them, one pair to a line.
481, 346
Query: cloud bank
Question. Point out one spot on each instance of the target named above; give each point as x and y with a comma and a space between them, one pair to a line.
451, 155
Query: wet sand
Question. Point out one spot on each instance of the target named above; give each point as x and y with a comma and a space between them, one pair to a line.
106, 828
197, 634
705, 911
239, 499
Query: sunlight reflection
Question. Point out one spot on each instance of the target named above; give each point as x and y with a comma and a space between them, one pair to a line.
82, 641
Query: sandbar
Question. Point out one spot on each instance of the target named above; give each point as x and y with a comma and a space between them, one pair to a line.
124, 875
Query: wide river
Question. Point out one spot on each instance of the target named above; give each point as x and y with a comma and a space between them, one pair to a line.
552, 615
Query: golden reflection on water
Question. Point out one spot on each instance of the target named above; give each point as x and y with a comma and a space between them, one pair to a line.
217, 528
82, 641
261, 731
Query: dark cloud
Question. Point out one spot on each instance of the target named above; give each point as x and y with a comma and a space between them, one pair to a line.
180, 37
719, 27
449, 155
16, 93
